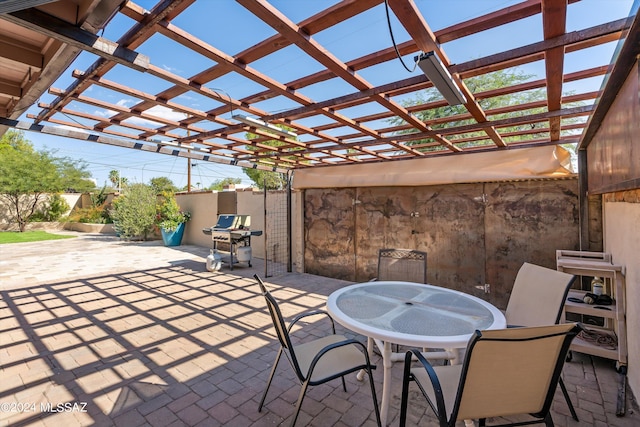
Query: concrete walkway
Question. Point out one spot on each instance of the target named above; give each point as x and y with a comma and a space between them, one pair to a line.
99, 332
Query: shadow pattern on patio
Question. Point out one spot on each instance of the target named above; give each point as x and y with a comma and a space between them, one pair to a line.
178, 345
168, 346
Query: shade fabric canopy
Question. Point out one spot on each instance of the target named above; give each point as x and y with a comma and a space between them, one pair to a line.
524, 163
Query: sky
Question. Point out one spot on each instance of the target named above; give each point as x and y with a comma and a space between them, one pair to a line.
235, 30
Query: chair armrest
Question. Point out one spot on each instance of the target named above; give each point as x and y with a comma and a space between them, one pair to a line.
339, 344
311, 313
435, 382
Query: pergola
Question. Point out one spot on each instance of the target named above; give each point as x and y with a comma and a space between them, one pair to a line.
39, 39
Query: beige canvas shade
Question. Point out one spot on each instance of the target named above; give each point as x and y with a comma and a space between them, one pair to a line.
523, 163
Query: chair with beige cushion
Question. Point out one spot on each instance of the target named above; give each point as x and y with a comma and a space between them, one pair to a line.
317, 361
537, 299
505, 372
538, 296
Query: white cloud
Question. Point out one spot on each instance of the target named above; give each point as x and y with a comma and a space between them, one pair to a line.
172, 69
104, 113
123, 102
108, 113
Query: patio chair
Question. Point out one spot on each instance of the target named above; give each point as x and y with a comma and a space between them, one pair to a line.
538, 296
402, 264
505, 372
318, 361
537, 299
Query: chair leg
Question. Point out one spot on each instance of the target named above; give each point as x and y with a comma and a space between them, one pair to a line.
273, 371
406, 378
568, 399
303, 390
374, 397
548, 421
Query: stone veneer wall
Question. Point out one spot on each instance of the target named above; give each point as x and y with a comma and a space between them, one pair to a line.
474, 234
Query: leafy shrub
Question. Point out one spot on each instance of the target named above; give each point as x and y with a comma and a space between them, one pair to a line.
168, 213
134, 212
52, 210
57, 207
92, 215
100, 198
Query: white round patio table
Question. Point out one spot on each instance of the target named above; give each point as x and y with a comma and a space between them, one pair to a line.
411, 314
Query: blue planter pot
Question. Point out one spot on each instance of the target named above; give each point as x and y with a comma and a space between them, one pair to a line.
173, 238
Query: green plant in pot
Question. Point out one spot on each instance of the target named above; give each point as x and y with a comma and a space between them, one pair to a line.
170, 219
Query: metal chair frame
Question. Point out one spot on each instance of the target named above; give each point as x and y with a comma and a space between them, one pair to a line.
545, 295
339, 344
439, 407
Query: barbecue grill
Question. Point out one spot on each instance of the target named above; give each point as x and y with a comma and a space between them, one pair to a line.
235, 230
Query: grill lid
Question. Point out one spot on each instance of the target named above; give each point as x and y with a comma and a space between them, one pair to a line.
232, 222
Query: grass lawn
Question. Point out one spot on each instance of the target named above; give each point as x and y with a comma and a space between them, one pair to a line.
29, 236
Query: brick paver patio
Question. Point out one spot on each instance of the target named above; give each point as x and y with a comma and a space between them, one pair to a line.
100, 333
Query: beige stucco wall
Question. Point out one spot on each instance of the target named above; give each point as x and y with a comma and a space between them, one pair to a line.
73, 199
622, 240
204, 209
251, 203
613, 168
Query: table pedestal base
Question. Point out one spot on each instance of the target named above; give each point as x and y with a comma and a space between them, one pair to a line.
389, 357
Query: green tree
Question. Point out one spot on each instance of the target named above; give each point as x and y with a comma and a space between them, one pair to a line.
28, 177
219, 184
478, 84
114, 178
118, 182
16, 140
74, 175
162, 184
264, 179
134, 212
